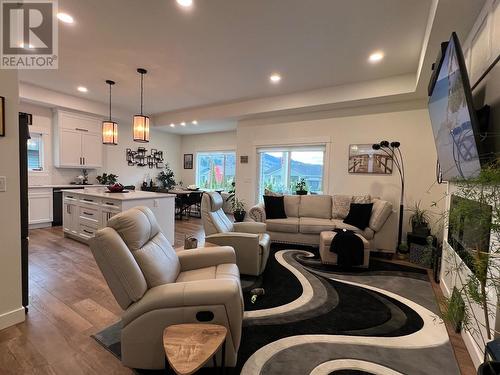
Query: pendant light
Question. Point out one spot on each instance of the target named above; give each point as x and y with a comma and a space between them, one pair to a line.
109, 127
141, 122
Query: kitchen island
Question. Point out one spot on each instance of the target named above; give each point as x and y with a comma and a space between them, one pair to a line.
88, 210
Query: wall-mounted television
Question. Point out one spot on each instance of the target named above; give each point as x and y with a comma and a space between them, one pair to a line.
453, 118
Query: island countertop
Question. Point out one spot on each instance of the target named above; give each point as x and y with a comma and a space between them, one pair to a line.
131, 195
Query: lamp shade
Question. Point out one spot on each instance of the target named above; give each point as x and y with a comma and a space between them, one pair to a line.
141, 128
109, 133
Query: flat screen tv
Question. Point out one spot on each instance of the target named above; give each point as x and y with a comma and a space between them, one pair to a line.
453, 117
469, 227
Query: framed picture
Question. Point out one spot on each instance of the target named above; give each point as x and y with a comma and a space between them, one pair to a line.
2, 116
188, 161
364, 159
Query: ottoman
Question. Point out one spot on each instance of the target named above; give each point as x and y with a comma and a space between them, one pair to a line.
328, 257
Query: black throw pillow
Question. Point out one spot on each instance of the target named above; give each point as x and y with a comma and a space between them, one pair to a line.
275, 207
359, 215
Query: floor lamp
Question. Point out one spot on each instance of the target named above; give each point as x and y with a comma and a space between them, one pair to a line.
393, 151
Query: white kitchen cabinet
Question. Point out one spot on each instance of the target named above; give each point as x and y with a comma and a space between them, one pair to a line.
88, 210
77, 140
40, 208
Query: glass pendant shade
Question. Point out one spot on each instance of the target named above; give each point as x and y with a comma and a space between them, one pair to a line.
109, 127
141, 128
141, 122
109, 133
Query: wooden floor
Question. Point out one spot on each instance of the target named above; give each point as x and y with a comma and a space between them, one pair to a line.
69, 301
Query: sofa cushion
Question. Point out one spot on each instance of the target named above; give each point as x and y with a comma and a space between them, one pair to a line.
368, 233
359, 215
380, 213
340, 206
222, 271
314, 225
319, 206
275, 207
290, 225
292, 205
361, 199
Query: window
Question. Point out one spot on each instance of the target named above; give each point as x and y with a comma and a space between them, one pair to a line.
215, 170
281, 167
35, 153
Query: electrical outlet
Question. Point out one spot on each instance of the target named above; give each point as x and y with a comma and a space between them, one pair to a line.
3, 183
156, 203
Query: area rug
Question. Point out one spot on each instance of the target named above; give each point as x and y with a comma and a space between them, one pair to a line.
321, 320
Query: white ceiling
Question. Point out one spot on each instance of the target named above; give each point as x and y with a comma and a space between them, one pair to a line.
221, 52
224, 50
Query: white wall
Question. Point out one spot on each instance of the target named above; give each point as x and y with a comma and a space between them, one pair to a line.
191, 144
11, 310
114, 157
407, 122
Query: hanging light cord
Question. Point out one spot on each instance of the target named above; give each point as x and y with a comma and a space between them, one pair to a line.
110, 102
142, 89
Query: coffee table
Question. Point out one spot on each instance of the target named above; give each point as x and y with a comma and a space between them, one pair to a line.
189, 346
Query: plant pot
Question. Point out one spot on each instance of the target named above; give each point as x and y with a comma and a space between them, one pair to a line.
239, 216
301, 192
420, 229
489, 368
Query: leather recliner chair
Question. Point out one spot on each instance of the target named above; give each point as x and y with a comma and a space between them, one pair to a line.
158, 287
249, 239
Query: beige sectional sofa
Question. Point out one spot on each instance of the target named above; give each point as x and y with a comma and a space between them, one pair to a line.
309, 215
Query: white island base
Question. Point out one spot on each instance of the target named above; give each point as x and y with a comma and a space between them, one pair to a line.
86, 211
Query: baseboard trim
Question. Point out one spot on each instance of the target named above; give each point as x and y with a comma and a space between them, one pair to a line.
11, 318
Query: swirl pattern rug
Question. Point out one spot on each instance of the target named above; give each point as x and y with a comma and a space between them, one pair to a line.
321, 320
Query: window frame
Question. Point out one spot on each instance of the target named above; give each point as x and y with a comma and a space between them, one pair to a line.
213, 152
41, 152
289, 149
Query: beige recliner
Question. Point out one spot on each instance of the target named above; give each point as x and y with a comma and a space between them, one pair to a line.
158, 287
249, 239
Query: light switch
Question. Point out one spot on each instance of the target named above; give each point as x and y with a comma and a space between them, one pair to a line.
3, 183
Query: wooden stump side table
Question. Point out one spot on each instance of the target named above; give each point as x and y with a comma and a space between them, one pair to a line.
189, 346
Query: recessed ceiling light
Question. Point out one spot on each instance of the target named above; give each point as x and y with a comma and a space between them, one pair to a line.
185, 3
82, 89
194, 122
275, 78
65, 17
172, 125
183, 123
375, 57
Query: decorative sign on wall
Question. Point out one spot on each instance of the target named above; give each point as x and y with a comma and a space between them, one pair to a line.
140, 158
243, 159
364, 159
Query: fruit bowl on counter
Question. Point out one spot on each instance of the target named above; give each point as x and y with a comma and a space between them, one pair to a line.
117, 188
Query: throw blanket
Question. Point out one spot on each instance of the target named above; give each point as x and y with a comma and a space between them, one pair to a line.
348, 247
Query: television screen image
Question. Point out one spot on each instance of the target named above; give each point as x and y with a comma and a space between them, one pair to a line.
453, 117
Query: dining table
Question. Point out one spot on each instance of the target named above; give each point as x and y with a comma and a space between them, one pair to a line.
185, 200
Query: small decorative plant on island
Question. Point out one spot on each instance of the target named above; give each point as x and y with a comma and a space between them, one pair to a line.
166, 178
476, 267
419, 220
238, 210
301, 187
403, 250
107, 179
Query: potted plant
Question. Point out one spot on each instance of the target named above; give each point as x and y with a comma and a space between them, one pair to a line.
301, 187
419, 220
476, 269
166, 178
107, 179
403, 250
238, 210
